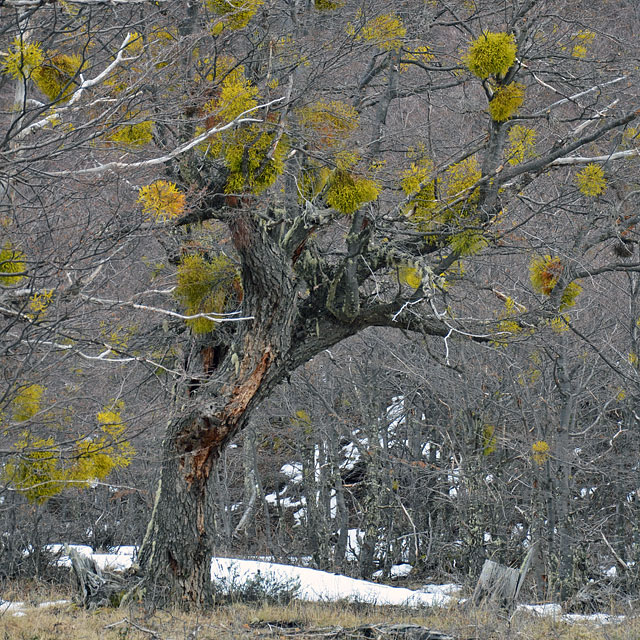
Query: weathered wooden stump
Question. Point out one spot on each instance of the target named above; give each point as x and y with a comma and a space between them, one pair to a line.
96, 588
499, 584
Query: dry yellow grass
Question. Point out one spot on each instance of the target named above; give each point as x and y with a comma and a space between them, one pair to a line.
296, 621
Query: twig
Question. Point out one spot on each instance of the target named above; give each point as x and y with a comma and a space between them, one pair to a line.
151, 632
619, 560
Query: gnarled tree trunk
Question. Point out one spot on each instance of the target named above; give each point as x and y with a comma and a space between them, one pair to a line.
175, 557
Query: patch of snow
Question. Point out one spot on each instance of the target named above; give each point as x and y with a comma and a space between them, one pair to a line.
354, 542
396, 571
293, 471
598, 618
121, 558
446, 589
17, 608
549, 609
80, 548
7, 607
321, 586
351, 455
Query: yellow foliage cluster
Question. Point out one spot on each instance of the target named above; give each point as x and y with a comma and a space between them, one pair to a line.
522, 142
410, 276
302, 420
468, 242
461, 177
591, 180
582, 41
450, 214
12, 265
385, 31
39, 469
418, 181
560, 323
540, 452
26, 403
254, 157
509, 326
236, 94
162, 201
419, 54
348, 191
332, 121
39, 302
506, 101
55, 76
491, 54
133, 135
22, 58
206, 286
328, 5
489, 440
545, 272
236, 13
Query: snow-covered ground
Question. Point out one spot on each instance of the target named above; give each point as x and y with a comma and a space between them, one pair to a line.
314, 585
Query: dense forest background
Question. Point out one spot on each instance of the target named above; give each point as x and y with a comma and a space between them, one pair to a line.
467, 170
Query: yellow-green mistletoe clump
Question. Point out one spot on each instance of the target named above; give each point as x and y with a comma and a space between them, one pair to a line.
418, 54
461, 177
133, 135
26, 403
582, 41
98, 456
385, 31
54, 77
545, 272
36, 472
41, 469
237, 13
12, 265
492, 54
22, 58
327, 5
418, 182
540, 452
489, 440
162, 201
410, 276
347, 190
467, 242
522, 143
591, 180
255, 157
235, 94
206, 286
506, 101
39, 302
332, 121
